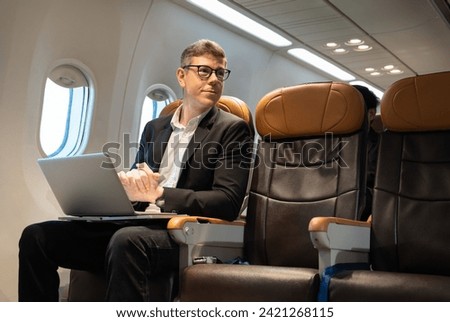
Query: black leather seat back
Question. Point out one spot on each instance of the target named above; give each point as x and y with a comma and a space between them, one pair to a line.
411, 205
310, 162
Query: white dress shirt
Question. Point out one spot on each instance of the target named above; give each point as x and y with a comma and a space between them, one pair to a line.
172, 160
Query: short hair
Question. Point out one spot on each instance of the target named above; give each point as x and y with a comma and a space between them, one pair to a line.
370, 99
202, 47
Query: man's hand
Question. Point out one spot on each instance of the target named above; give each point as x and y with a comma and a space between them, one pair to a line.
141, 184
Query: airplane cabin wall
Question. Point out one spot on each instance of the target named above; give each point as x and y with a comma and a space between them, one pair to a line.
169, 28
124, 46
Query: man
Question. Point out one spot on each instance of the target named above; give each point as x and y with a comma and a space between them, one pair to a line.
194, 162
371, 103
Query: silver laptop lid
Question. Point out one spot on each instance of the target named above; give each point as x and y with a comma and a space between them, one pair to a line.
86, 185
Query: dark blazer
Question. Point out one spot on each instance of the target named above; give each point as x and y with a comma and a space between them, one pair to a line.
215, 168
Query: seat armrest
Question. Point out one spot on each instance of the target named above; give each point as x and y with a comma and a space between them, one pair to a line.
203, 236
340, 240
194, 230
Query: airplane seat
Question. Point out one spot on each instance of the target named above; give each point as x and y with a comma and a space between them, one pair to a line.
309, 162
87, 286
170, 108
409, 235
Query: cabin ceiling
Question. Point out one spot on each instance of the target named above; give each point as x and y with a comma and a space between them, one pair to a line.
412, 35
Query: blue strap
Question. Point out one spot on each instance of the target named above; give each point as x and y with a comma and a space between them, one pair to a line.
330, 271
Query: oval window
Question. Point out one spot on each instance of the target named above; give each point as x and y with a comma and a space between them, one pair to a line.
64, 111
157, 97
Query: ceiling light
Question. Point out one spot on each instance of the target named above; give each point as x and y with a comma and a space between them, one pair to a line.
340, 51
363, 48
331, 45
354, 42
237, 19
369, 69
375, 73
388, 67
396, 71
320, 63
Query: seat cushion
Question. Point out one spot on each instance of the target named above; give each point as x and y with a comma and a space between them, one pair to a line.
252, 283
378, 286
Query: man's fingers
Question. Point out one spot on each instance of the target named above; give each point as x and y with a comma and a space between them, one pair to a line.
157, 177
123, 178
141, 179
140, 183
154, 177
144, 167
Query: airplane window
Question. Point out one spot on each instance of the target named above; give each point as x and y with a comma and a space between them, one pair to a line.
64, 112
158, 96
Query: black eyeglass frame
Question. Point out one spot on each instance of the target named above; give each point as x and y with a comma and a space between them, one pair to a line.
227, 72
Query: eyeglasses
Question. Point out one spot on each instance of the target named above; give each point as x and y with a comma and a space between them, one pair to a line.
204, 72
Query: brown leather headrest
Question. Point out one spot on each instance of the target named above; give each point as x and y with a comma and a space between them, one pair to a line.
420, 103
310, 109
170, 108
229, 104
235, 106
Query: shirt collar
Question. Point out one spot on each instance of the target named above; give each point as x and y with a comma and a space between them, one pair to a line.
193, 123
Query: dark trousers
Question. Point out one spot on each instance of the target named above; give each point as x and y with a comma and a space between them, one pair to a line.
131, 257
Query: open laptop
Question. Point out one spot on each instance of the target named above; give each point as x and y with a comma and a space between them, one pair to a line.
87, 188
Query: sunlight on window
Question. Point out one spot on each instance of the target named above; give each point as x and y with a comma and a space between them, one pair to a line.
54, 117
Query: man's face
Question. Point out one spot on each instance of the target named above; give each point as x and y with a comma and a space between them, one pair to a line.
201, 93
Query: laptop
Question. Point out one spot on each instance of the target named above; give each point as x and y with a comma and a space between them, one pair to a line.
87, 188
